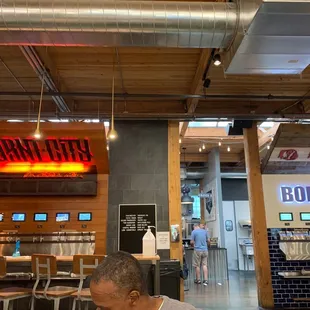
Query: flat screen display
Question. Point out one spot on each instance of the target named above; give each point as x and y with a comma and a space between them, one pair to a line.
305, 216
286, 217
85, 216
18, 217
1, 217
40, 217
62, 217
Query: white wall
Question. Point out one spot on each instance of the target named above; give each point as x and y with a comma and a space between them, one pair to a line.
242, 211
231, 236
274, 205
212, 181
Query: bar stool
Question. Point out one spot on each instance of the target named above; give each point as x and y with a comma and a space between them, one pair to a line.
84, 265
10, 293
44, 267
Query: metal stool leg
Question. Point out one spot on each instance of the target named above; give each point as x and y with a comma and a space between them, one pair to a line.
6, 303
74, 304
56, 304
32, 302
11, 304
87, 304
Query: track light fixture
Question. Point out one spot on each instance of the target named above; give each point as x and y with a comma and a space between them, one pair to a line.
228, 149
220, 143
206, 83
200, 150
180, 140
203, 147
268, 147
217, 60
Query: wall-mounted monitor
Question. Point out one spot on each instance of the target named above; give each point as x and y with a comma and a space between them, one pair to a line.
286, 216
305, 216
85, 216
18, 217
62, 217
1, 217
40, 217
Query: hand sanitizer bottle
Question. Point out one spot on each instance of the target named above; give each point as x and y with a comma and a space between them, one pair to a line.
149, 243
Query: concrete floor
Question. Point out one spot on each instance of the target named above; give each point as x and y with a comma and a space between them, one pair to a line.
239, 293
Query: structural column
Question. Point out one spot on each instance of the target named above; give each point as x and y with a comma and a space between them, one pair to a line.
258, 217
174, 190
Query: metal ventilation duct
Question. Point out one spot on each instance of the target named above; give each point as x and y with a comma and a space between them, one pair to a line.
273, 38
117, 23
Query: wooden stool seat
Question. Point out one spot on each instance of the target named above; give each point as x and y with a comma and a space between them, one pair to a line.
58, 291
85, 293
12, 292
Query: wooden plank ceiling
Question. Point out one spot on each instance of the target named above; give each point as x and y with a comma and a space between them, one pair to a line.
144, 71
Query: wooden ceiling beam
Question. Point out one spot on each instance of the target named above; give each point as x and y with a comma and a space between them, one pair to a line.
196, 86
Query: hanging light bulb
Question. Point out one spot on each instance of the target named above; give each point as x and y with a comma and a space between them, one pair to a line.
37, 134
268, 147
112, 134
180, 140
200, 149
203, 147
272, 138
220, 143
108, 148
228, 148
217, 60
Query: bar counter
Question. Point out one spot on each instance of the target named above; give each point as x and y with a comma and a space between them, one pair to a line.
18, 259
22, 264
217, 263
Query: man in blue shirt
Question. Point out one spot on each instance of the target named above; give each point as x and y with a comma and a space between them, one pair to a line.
200, 241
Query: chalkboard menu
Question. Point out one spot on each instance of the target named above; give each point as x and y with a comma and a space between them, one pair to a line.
133, 222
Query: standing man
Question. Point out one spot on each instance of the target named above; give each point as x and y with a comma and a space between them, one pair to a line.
200, 241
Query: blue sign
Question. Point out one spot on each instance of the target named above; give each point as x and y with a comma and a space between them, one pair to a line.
295, 194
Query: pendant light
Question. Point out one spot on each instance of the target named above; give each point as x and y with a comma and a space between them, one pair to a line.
112, 134
37, 133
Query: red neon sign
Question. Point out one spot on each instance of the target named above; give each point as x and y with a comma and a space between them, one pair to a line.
50, 156
49, 150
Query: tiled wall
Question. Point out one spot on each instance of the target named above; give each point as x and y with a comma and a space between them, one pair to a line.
285, 290
139, 173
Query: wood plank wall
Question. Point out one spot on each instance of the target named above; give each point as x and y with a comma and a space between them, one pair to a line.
52, 204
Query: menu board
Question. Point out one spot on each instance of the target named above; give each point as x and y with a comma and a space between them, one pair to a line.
133, 222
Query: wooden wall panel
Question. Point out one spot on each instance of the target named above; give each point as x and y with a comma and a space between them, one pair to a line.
52, 204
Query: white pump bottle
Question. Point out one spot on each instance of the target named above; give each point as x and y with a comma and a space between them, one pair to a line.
149, 243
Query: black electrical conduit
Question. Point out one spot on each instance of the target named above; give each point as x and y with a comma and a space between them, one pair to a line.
153, 96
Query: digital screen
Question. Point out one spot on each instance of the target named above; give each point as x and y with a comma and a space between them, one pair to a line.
1, 217
40, 217
85, 216
18, 217
62, 217
285, 217
305, 216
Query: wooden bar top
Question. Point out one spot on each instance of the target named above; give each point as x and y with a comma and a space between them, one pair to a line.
22, 259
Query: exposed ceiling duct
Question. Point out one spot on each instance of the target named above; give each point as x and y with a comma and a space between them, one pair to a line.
117, 23
260, 37
273, 37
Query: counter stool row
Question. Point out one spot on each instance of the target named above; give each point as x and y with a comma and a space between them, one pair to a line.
44, 269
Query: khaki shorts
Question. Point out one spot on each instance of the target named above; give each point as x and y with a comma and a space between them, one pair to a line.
200, 258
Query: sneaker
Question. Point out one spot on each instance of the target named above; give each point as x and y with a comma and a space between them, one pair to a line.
197, 282
205, 283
